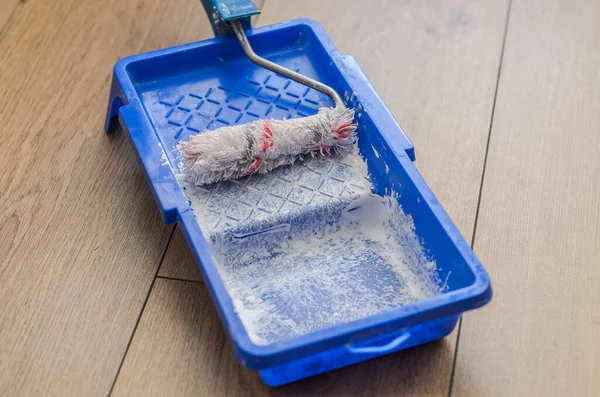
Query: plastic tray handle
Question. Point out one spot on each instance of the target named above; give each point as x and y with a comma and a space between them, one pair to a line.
387, 348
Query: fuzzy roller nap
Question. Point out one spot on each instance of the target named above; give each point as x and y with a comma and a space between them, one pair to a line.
261, 146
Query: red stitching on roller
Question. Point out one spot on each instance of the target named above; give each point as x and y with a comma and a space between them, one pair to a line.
254, 165
342, 131
267, 140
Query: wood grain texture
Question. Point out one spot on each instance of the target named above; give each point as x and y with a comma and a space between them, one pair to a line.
539, 225
180, 349
80, 237
435, 65
7, 7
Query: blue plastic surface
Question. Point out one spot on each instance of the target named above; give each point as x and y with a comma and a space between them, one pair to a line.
164, 96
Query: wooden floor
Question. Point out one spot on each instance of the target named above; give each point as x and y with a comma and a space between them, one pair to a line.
500, 98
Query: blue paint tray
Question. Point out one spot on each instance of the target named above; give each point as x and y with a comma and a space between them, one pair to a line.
300, 286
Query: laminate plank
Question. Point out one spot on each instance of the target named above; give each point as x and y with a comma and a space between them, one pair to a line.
539, 223
80, 236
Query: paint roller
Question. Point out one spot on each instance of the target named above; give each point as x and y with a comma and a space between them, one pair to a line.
260, 146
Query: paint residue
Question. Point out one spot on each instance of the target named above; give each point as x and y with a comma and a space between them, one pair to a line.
375, 151
309, 246
164, 160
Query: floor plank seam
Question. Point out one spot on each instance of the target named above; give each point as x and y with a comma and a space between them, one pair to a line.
10, 17
181, 279
485, 158
137, 323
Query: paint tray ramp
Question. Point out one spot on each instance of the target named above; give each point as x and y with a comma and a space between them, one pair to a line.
313, 266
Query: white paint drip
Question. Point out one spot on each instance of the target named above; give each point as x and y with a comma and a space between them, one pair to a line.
375, 151
163, 156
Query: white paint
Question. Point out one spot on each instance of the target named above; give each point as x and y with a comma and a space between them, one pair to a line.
302, 283
164, 160
375, 151
337, 259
